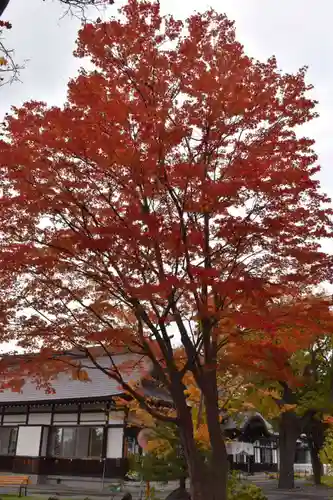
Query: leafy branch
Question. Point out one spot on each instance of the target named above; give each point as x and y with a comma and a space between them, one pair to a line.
9, 70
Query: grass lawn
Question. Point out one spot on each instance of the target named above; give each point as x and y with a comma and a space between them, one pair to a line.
12, 496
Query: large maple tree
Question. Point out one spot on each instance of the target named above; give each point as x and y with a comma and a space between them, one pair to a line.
169, 201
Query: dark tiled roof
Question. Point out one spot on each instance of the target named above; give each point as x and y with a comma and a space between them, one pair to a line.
243, 418
65, 388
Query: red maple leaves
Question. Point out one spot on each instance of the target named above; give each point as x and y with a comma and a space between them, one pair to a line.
168, 194
172, 177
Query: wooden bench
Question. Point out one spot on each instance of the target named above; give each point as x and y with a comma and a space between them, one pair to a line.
20, 481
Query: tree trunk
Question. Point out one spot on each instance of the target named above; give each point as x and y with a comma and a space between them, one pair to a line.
208, 478
315, 433
219, 464
317, 466
182, 483
288, 434
197, 468
3, 5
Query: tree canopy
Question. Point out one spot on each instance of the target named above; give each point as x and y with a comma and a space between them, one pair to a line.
169, 200
301, 405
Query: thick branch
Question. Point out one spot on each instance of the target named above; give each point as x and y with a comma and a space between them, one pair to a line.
135, 394
3, 5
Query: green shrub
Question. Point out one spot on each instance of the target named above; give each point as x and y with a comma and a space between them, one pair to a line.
248, 492
240, 491
327, 481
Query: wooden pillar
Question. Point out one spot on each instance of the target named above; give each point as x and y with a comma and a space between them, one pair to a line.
124, 450
27, 415
105, 431
105, 441
52, 414
107, 412
79, 411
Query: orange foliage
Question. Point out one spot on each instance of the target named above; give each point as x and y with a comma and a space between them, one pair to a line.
287, 327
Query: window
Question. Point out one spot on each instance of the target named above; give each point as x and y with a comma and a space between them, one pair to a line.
8, 440
55, 441
266, 455
241, 458
67, 447
302, 456
95, 442
132, 447
76, 442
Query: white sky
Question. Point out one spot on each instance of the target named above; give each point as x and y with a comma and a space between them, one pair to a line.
297, 32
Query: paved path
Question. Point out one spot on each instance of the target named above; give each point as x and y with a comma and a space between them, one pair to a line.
301, 492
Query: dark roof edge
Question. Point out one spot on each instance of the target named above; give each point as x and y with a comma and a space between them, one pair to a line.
51, 402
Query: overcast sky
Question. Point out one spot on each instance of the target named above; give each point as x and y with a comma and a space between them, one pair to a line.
297, 32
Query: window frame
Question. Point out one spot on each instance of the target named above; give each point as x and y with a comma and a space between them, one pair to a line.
12, 444
76, 429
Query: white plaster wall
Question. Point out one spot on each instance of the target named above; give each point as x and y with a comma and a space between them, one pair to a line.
116, 417
303, 468
92, 418
115, 442
257, 455
39, 418
275, 457
28, 441
327, 470
14, 419
65, 418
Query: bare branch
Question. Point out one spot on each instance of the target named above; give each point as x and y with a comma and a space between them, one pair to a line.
72, 5
9, 70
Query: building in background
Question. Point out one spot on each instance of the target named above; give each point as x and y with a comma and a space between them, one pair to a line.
74, 433
77, 433
263, 455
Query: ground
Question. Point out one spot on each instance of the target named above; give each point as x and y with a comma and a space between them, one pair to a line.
303, 491
301, 494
